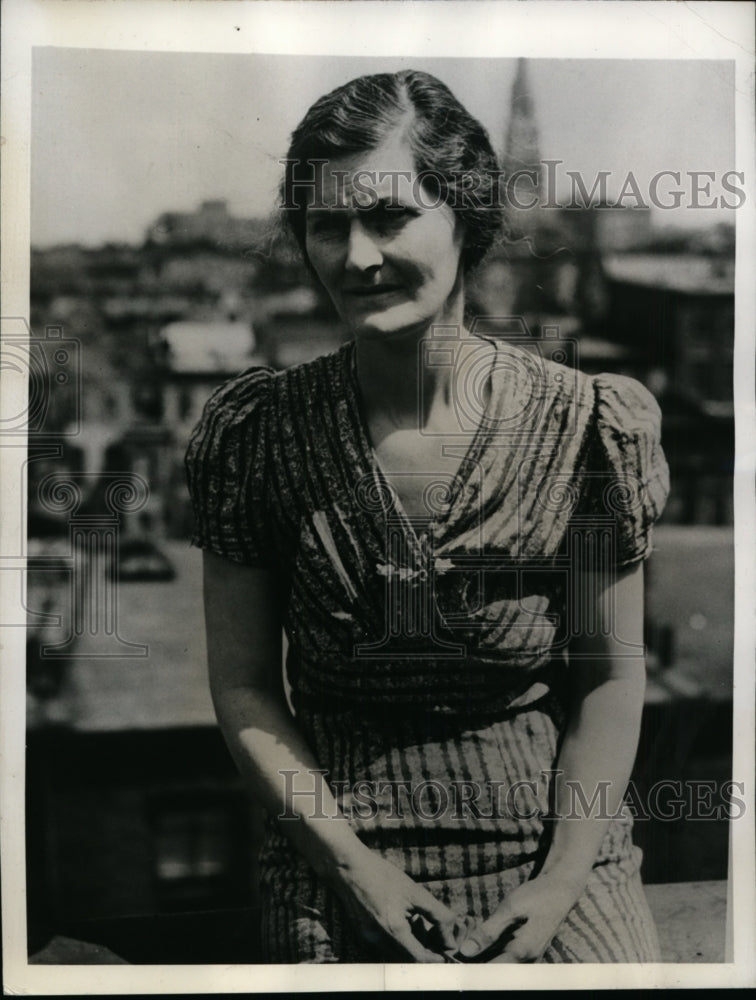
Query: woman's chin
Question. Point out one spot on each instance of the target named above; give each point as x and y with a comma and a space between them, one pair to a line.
385, 326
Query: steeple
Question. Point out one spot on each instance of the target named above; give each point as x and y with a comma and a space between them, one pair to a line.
521, 150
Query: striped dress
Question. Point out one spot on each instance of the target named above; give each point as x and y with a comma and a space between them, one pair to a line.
429, 669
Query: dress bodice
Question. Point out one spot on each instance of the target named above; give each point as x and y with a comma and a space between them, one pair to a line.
472, 614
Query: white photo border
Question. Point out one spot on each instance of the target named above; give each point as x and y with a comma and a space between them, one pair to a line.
585, 29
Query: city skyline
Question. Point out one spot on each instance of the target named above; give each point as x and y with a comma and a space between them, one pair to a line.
119, 137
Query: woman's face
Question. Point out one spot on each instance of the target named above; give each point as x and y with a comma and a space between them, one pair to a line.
385, 251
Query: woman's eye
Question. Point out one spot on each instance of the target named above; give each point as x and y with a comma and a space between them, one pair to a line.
392, 216
325, 226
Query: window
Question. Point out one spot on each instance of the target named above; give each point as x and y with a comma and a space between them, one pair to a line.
199, 856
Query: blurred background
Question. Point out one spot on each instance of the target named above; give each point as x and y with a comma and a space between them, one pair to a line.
157, 273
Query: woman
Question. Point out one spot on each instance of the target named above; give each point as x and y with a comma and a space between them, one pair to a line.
450, 531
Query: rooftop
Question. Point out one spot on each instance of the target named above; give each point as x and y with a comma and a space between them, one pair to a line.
209, 347
686, 273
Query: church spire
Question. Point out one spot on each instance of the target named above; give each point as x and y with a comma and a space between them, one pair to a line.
522, 150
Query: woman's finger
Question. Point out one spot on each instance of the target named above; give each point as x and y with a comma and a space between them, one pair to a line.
476, 942
416, 950
464, 927
443, 922
434, 934
486, 934
524, 946
519, 951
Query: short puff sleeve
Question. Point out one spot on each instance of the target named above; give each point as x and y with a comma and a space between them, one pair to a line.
225, 468
628, 470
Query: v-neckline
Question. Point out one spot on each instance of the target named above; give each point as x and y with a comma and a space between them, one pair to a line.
372, 462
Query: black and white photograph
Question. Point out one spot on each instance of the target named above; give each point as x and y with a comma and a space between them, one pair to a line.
378, 460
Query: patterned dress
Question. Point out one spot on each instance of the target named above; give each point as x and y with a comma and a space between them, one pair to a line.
429, 669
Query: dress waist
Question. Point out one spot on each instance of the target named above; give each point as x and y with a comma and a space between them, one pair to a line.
473, 688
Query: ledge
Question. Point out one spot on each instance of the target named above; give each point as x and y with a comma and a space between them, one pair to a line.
690, 918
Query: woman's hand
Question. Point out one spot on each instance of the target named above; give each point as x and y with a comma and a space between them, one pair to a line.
396, 915
523, 926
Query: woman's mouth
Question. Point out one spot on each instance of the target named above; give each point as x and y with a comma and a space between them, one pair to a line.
372, 291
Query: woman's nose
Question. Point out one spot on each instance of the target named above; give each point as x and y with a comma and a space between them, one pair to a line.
362, 250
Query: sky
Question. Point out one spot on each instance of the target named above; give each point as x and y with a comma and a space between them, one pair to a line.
118, 137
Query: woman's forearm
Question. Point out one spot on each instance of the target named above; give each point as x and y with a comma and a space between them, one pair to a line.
281, 771
595, 762
280, 768
244, 660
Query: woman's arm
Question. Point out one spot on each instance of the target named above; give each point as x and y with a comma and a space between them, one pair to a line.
597, 756
244, 657
595, 761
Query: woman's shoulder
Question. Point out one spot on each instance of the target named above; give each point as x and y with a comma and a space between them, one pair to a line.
245, 394
318, 374
226, 467
546, 375
628, 438
232, 421
543, 378
624, 405
263, 404
240, 396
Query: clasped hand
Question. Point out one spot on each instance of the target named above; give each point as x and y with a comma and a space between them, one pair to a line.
400, 917
523, 926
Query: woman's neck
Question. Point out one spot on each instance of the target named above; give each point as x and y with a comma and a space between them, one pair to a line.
401, 380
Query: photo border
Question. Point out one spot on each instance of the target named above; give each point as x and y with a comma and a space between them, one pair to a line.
536, 28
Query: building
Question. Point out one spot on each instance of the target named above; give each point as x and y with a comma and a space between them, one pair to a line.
623, 228
679, 312
195, 358
663, 314
134, 807
211, 224
550, 265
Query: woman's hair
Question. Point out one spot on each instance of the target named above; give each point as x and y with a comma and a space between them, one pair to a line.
451, 149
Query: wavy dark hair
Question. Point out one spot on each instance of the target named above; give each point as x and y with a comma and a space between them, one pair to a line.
451, 149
